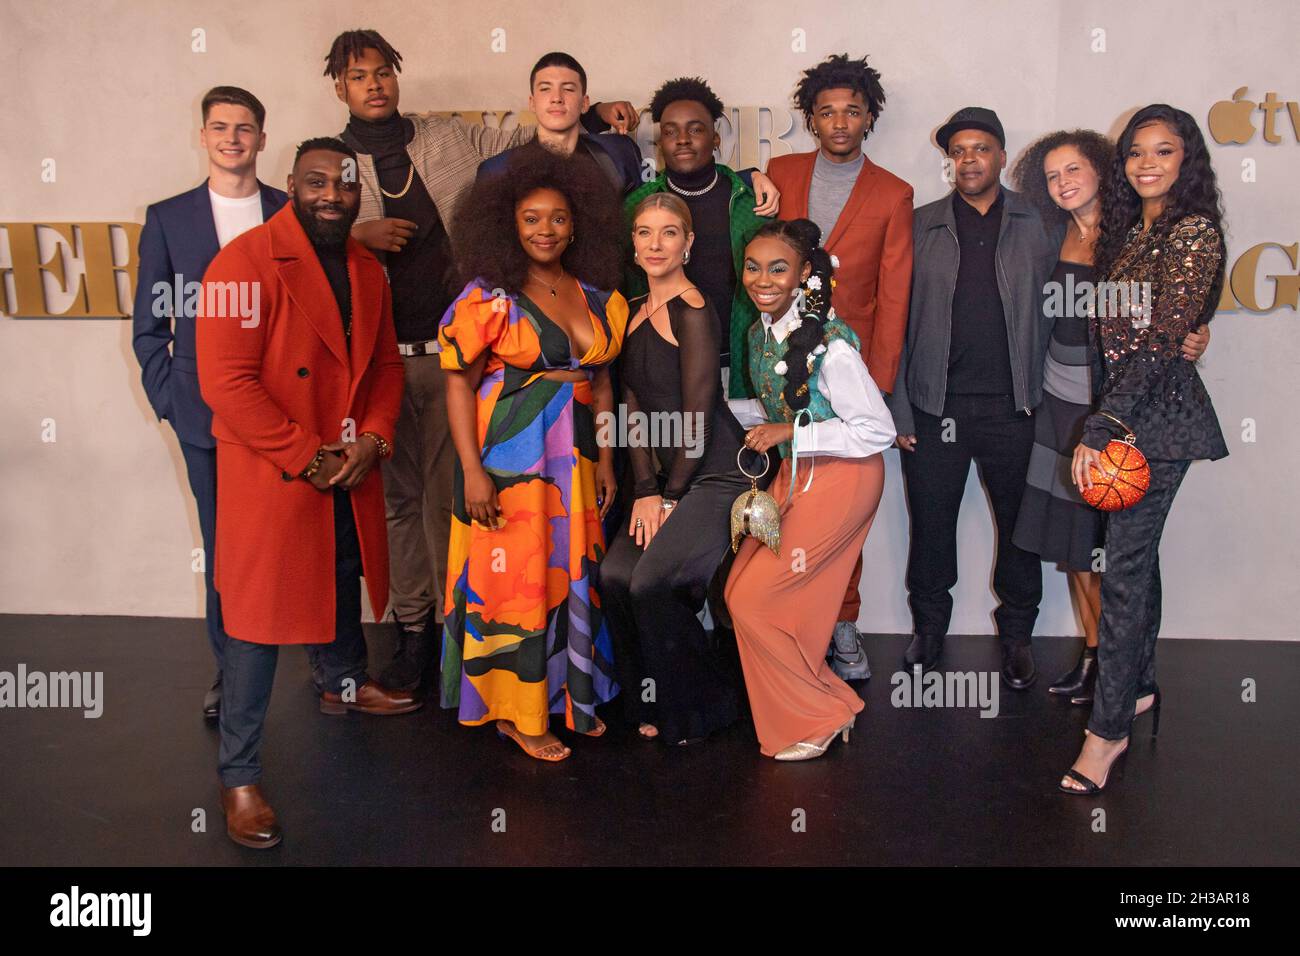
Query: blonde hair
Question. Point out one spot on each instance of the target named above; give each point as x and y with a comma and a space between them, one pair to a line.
673, 204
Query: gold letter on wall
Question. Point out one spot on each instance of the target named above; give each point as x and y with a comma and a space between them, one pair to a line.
96, 293
1287, 288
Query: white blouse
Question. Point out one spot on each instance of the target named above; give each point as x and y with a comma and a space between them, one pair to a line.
862, 426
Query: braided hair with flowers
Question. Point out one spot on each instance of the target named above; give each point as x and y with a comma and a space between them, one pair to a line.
813, 304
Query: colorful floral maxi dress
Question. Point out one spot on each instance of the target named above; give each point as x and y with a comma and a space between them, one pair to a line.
524, 636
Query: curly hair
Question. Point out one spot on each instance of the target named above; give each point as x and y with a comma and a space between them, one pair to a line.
839, 72
352, 44
693, 88
804, 237
1195, 192
1028, 177
486, 240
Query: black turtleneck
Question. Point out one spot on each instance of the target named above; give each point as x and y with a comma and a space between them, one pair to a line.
333, 259
384, 139
711, 266
421, 275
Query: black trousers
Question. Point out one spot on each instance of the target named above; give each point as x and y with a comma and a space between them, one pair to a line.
250, 667
1130, 603
991, 432
201, 469
670, 672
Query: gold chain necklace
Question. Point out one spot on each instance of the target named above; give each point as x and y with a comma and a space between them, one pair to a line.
410, 177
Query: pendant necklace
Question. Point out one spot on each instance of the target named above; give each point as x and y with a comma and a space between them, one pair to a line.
547, 284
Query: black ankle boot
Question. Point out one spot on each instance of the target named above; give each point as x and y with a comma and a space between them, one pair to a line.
926, 650
413, 660
1078, 682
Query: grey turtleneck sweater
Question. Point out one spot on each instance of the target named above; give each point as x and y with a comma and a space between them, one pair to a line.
829, 191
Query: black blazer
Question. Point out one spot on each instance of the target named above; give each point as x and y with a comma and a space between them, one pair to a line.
623, 168
179, 239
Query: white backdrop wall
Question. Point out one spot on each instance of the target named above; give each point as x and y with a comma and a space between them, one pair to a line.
101, 522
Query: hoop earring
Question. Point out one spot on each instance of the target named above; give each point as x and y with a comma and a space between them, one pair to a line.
634, 258
686, 257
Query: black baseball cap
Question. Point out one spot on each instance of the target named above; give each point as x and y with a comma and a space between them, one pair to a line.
971, 117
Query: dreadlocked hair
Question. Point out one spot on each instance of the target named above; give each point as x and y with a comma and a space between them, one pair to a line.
838, 72
352, 44
693, 88
804, 237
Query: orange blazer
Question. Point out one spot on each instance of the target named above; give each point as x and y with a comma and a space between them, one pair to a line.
873, 241
280, 385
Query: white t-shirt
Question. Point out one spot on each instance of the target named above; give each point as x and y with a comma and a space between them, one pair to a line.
233, 216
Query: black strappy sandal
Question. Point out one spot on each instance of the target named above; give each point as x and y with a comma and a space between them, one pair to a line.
1090, 787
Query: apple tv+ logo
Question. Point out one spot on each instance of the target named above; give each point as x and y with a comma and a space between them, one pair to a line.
1231, 121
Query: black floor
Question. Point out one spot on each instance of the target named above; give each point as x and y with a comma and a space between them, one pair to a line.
938, 787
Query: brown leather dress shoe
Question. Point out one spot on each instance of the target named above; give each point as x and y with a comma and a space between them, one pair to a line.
372, 698
250, 821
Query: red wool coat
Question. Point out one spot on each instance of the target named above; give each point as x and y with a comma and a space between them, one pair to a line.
280, 386
873, 241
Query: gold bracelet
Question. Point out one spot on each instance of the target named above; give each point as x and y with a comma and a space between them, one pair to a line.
314, 467
381, 444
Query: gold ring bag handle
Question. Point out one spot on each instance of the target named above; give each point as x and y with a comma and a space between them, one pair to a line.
1121, 478
1129, 438
755, 512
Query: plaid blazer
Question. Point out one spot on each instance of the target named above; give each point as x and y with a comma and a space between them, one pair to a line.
446, 152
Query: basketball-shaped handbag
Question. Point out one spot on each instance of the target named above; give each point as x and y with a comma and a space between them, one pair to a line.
1122, 476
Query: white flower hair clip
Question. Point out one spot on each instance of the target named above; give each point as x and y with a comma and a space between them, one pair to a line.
814, 282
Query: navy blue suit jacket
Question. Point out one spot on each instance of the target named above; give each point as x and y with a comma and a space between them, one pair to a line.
621, 150
179, 239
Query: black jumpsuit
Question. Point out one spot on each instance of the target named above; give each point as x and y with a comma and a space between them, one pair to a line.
670, 673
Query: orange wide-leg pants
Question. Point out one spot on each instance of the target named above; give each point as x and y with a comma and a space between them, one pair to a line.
784, 607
